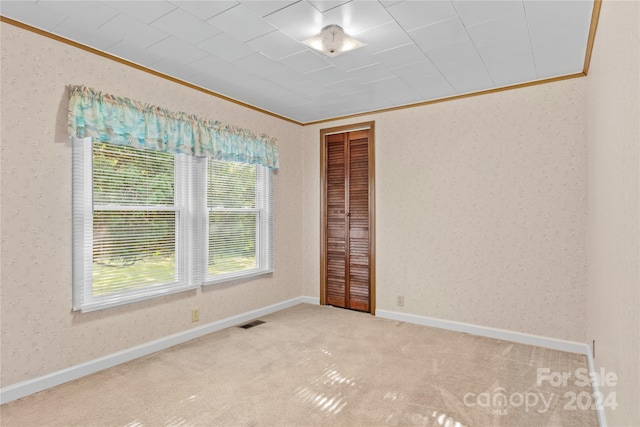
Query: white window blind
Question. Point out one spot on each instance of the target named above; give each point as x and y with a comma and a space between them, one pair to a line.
131, 224
148, 223
239, 225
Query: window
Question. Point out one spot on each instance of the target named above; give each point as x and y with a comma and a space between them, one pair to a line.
138, 227
239, 220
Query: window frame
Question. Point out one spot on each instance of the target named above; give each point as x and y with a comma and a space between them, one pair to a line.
264, 229
83, 244
191, 238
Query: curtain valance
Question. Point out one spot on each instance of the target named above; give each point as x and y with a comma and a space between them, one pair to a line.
123, 121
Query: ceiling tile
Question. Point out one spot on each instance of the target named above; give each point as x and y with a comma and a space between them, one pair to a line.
356, 59
175, 69
259, 92
337, 106
274, 105
549, 29
355, 101
292, 99
325, 112
87, 35
416, 71
302, 113
241, 23
395, 91
358, 16
286, 77
474, 12
276, 45
228, 79
344, 108
347, 87
204, 9
265, 7
387, 3
399, 56
300, 20
558, 11
308, 88
559, 36
469, 80
432, 87
558, 59
185, 26
271, 90
226, 47
259, 64
507, 49
415, 14
137, 54
91, 14
512, 70
238, 92
129, 28
227, 71
385, 37
324, 5
178, 50
440, 34
143, 11
547, 35
499, 30
328, 97
328, 75
30, 13
216, 84
455, 57
305, 62
367, 101
372, 73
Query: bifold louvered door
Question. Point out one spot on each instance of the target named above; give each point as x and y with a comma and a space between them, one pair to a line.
347, 222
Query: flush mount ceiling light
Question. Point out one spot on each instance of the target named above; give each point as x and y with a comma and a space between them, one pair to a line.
332, 41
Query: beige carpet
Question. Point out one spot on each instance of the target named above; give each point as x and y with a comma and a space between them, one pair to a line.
311, 365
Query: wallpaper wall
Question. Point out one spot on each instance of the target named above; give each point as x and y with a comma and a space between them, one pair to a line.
481, 209
484, 206
40, 334
613, 99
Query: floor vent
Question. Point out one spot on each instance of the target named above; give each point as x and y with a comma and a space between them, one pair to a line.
252, 324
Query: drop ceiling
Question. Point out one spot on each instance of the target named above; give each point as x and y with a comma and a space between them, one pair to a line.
251, 51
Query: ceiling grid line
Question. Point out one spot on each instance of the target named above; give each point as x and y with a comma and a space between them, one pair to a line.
476, 47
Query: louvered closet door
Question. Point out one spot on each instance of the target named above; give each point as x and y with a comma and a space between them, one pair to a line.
347, 222
336, 220
358, 221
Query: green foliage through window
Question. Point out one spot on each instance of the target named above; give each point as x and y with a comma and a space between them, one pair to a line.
130, 236
149, 223
233, 217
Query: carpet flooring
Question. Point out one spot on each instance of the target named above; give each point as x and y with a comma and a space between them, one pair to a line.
316, 365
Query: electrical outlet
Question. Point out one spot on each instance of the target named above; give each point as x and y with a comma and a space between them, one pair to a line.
400, 301
195, 315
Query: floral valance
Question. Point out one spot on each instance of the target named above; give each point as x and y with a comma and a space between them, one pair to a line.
123, 121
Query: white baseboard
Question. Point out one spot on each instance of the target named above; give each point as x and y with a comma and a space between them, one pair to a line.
25, 388
484, 331
506, 335
310, 300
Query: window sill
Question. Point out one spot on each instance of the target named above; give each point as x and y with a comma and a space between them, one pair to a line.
235, 276
131, 298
